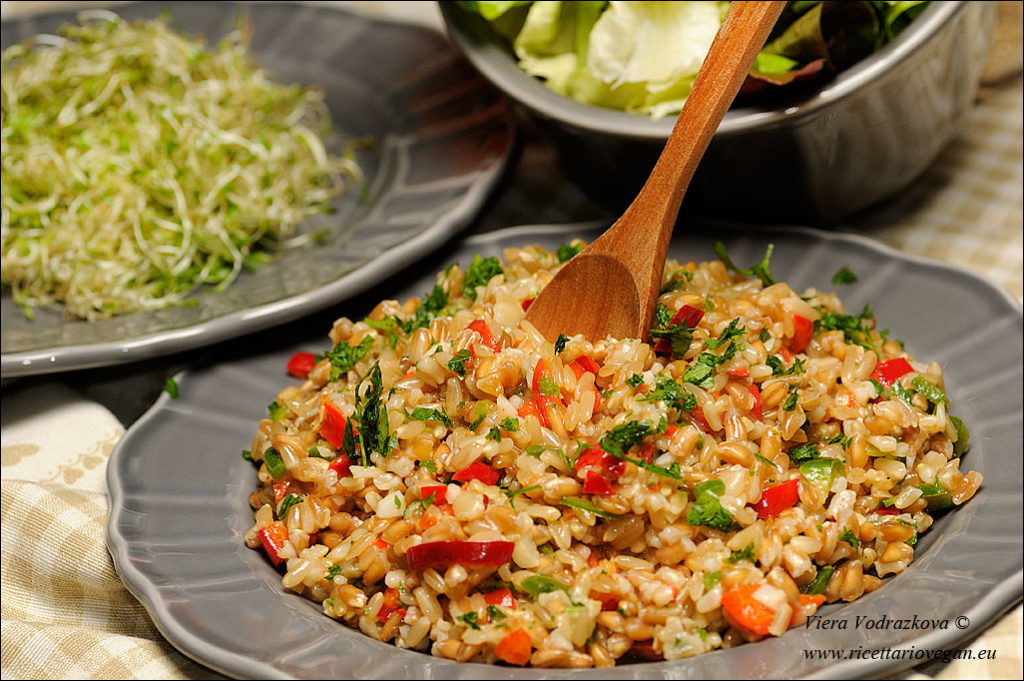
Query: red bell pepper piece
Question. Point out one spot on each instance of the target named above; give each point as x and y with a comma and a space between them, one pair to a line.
273, 538
741, 372
541, 400
888, 371
803, 329
332, 428
390, 606
515, 648
687, 313
757, 411
596, 484
442, 554
776, 499
647, 452
478, 470
698, 416
644, 650
301, 364
527, 303
746, 611
280, 489
480, 326
608, 601
440, 493
595, 457
886, 510
587, 364
341, 465
501, 597
531, 408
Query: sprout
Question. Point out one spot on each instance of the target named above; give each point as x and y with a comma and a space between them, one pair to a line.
139, 165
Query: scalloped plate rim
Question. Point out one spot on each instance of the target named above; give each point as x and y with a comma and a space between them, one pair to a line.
996, 601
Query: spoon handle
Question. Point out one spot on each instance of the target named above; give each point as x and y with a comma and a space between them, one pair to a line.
646, 225
620, 272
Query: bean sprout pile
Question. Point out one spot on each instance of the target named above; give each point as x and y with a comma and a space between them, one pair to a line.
139, 165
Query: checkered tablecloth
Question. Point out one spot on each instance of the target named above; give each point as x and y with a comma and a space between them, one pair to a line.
65, 613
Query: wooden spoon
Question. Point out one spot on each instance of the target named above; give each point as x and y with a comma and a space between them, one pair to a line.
611, 286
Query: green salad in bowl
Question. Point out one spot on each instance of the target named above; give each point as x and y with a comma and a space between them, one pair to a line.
642, 57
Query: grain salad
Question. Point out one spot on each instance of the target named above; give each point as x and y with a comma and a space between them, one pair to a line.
446, 479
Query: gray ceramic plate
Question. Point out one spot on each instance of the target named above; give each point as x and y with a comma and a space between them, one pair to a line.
179, 487
442, 138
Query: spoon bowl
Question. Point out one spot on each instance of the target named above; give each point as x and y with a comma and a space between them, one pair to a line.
611, 286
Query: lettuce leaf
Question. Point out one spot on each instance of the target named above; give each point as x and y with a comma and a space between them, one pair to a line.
642, 57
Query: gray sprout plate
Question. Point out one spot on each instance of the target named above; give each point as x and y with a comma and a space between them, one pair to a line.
179, 487
441, 137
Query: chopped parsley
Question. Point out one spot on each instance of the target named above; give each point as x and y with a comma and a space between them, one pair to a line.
679, 335
424, 503
913, 540
856, 328
343, 356
734, 330
850, 538
963, 436
672, 393
702, 371
389, 325
171, 388
494, 434
779, 368
820, 582
276, 411
844, 276
275, 465
929, 390
480, 271
707, 510
804, 452
841, 440
247, 455
584, 505
789, 404
459, 363
424, 414
746, 553
431, 307
622, 438
495, 613
711, 580
469, 619
286, 503
333, 572
566, 252
372, 417
760, 270
428, 465
512, 494
634, 380
510, 424
764, 336
536, 585
560, 343
677, 281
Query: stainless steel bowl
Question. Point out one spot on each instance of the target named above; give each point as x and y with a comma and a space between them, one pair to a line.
817, 158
